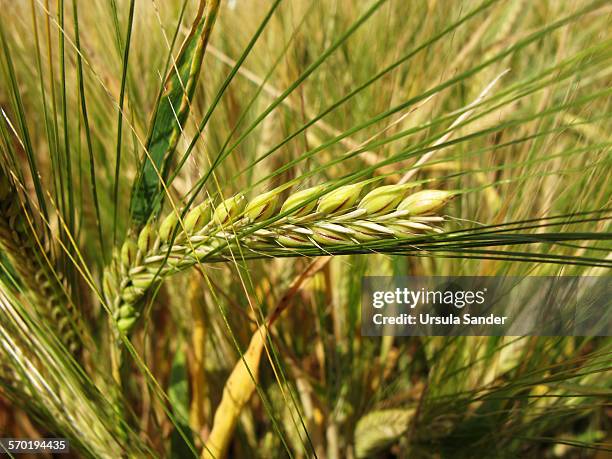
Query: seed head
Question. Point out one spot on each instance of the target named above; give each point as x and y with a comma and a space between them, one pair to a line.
262, 207
426, 201
383, 199
340, 199
229, 209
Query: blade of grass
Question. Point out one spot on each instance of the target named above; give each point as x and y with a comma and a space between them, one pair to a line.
92, 166
51, 141
67, 157
21, 118
126, 55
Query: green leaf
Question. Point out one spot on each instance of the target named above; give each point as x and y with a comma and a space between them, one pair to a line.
169, 116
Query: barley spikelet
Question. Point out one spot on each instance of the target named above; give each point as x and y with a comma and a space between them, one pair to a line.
336, 218
43, 286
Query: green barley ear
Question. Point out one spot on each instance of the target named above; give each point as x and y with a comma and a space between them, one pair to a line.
167, 227
383, 199
262, 207
197, 218
229, 209
302, 198
426, 201
340, 199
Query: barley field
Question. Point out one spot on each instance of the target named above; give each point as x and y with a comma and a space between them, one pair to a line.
191, 192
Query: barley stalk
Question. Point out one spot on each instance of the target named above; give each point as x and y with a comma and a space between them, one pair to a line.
30, 256
205, 236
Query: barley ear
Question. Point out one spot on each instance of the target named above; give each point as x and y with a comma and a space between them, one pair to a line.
135, 272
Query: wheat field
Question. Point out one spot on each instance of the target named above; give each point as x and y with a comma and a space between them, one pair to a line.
191, 192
